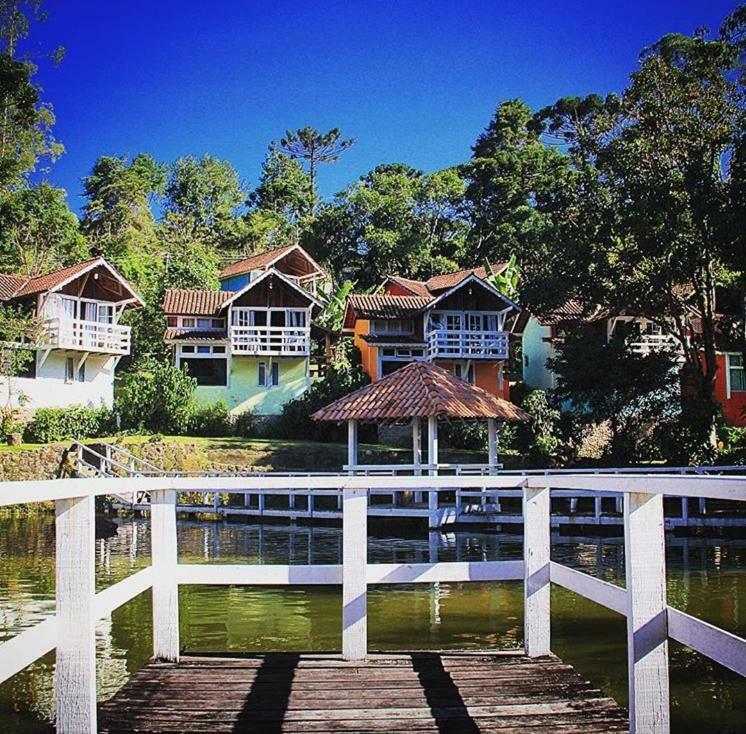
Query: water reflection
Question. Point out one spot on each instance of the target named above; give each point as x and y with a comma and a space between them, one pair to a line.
707, 578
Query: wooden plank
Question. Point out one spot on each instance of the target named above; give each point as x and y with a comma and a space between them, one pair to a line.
75, 669
26, 647
647, 628
260, 574
164, 555
446, 572
114, 596
536, 551
354, 571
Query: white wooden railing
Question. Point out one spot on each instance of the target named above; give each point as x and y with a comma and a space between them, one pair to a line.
88, 336
271, 340
468, 344
650, 621
647, 343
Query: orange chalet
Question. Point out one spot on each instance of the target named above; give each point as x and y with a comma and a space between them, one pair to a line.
458, 321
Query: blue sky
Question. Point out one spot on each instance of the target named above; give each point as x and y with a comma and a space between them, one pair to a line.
413, 81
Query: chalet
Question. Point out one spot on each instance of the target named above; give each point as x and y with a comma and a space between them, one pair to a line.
459, 321
541, 334
249, 343
79, 308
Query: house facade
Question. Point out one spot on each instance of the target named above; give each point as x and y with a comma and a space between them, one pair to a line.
249, 343
541, 335
79, 308
458, 321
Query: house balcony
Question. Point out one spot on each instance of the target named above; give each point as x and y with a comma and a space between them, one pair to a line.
444, 344
648, 343
279, 341
87, 336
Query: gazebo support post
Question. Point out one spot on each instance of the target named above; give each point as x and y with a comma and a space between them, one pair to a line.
351, 453
432, 459
417, 452
492, 456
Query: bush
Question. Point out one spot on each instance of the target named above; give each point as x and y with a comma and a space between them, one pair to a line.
211, 420
77, 421
244, 424
540, 439
156, 396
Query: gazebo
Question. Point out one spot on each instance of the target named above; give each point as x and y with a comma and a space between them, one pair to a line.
421, 390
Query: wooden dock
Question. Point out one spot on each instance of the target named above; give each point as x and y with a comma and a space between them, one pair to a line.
414, 692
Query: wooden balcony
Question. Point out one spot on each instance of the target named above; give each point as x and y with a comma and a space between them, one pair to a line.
281, 341
87, 336
647, 343
444, 344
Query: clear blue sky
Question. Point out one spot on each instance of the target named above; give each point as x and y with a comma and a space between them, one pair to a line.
413, 81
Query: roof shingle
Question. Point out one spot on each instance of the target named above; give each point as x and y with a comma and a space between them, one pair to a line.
255, 263
418, 390
177, 301
9, 284
449, 280
383, 306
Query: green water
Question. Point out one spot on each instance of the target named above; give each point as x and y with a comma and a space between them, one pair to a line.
706, 578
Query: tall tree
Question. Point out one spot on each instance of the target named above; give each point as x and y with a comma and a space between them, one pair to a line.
313, 148
206, 193
660, 194
118, 218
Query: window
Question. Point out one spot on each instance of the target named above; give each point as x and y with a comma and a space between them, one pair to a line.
393, 326
207, 370
736, 373
203, 350
172, 321
187, 323
271, 378
218, 350
187, 349
70, 373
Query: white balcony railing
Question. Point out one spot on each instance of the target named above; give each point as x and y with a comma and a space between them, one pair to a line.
271, 340
87, 336
647, 343
468, 344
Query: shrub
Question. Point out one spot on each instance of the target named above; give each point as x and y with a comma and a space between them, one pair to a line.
540, 439
211, 420
244, 424
77, 421
156, 396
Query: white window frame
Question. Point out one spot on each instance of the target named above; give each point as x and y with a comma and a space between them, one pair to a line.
271, 376
729, 389
191, 351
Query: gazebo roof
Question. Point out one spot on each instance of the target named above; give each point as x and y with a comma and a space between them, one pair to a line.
419, 390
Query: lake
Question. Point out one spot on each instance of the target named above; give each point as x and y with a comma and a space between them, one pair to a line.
706, 578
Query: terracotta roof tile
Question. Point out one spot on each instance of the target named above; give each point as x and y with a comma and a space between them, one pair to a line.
573, 311
43, 283
418, 390
172, 334
449, 280
383, 306
9, 284
415, 287
194, 303
255, 263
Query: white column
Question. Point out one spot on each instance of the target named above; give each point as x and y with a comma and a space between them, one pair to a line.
536, 550
432, 459
165, 589
75, 670
352, 443
354, 574
417, 452
492, 455
647, 628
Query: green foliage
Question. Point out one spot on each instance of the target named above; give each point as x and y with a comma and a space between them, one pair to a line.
284, 189
342, 377
608, 382
156, 396
210, 420
540, 439
38, 232
507, 280
77, 421
334, 307
244, 424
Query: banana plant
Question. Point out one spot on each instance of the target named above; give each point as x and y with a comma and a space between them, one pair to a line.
507, 280
334, 307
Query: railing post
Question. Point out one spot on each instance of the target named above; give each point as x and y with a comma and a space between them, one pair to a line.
354, 574
536, 551
164, 556
432, 459
647, 629
75, 670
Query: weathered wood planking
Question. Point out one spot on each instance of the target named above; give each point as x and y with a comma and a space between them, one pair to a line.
417, 692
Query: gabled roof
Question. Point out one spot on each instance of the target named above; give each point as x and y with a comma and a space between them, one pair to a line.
270, 274
383, 306
448, 280
419, 390
572, 310
51, 282
265, 260
178, 302
415, 287
482, 283
9, 284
